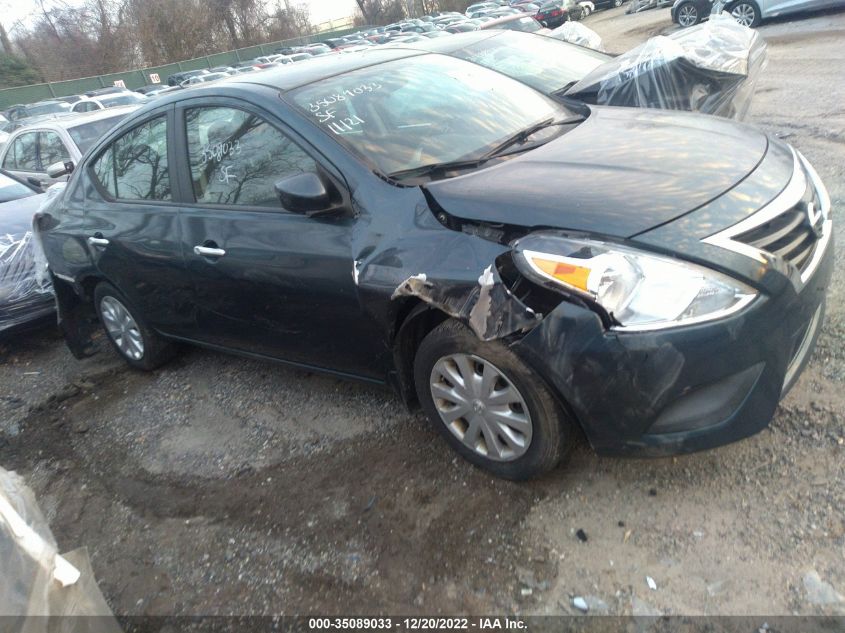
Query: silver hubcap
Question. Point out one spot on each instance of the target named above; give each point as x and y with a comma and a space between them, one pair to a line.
687, 15
122, 328
744, 14
481, 407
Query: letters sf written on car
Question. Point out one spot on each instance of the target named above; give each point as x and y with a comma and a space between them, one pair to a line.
377, 215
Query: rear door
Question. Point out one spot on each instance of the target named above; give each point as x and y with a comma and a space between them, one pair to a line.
267, 281
132, 223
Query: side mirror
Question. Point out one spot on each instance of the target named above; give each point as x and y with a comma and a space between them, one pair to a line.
57, 170
305, 193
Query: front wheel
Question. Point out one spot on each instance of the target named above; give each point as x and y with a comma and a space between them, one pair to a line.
136, 343
493, 409
746, 13
617, 3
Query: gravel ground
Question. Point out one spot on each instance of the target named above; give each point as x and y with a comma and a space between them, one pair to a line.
220, 485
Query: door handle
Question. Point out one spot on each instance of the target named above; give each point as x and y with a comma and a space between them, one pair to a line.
98, 241
208, 251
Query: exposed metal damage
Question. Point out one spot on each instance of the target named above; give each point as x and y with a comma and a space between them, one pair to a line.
489, 308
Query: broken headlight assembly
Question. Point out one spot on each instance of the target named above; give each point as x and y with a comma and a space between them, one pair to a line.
640, 291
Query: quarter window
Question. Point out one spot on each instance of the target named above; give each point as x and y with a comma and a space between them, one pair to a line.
237, 157
23, 154
134, 167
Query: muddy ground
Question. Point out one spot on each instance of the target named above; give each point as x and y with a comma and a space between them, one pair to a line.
219, 485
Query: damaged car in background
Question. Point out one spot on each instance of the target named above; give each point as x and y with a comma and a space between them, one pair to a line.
712, 68
522, 269
26, 295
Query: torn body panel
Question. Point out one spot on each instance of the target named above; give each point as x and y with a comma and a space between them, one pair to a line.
488, 308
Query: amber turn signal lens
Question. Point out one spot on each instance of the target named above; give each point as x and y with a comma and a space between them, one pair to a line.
570, 274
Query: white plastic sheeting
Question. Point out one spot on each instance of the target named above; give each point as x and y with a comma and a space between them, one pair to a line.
25, 289
36, 581
710, 68
577, 33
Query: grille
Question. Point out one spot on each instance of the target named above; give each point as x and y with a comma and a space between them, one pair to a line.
788, 235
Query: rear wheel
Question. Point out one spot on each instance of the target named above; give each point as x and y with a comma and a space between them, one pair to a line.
492, 408
746, 13
617, 3
688, 15
136, 343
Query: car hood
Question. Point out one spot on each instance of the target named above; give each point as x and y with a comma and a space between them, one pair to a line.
621, 172
16, 215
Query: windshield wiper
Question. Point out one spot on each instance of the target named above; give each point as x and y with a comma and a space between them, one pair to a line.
433, 169
523, 135
562, 91
437, 168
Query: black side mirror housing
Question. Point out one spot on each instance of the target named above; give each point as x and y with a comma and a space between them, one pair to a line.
307, 193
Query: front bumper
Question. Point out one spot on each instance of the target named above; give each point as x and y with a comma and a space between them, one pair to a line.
683, 389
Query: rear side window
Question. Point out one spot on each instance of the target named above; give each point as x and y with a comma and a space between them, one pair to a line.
134, 167
236, 157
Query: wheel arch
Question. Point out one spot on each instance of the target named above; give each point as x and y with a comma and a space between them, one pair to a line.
414, 320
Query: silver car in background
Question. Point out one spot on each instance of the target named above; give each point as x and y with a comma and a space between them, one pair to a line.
30, 151
751, 12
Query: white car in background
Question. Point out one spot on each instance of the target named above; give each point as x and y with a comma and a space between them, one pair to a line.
201, 79
31, 150
92, 104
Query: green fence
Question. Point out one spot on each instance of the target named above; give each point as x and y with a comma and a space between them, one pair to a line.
141, 77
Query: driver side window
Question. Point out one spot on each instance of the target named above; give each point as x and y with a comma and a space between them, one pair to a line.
237, 157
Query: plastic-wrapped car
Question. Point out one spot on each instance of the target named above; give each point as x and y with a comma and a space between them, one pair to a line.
710, 68
26, 293
577, 33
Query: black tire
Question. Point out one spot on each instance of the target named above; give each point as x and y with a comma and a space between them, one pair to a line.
156, 350
551, 427
745, 7
617, 3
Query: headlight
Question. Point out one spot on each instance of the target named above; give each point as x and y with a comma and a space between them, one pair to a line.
641, 291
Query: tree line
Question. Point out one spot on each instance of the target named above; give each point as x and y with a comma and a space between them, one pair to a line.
67, 40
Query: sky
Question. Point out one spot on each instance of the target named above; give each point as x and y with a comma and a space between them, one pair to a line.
321, 10
325, 10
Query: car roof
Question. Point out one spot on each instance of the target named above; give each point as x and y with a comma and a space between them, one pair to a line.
73, 119
292, 76
448, 45
492, 24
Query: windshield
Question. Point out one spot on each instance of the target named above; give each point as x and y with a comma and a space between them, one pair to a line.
120, 100
86, 134
11, 189
423, 110
47, 108
544, 63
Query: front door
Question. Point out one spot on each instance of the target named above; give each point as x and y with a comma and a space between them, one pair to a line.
267, 281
